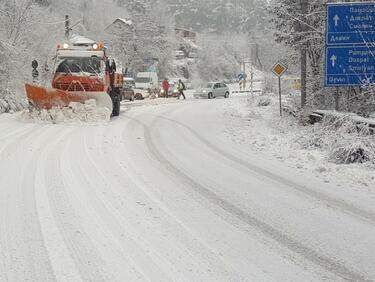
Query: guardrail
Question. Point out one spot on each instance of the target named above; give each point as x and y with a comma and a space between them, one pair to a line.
318, 116
246, 91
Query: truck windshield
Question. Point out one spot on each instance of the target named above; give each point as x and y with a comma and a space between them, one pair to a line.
79, 64
142, 80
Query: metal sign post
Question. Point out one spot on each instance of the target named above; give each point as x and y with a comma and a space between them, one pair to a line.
337, 99
279, 69
242, 80
281, 110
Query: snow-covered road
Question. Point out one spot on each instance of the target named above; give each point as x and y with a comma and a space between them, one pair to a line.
162, 194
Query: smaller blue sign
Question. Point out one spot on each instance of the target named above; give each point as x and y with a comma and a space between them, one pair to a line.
242, 76
350, 23
353, 65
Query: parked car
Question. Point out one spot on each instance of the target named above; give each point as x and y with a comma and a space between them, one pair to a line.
146, 84
129, 82
127, 89
213, 90
128, 94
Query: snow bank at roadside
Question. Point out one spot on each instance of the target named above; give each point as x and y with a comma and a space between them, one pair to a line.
10, 102
88, 112
306, 148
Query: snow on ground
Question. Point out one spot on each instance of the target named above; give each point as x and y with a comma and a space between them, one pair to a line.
262, 130
88, 112
176, 190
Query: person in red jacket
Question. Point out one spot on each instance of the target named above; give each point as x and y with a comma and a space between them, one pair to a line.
166, 87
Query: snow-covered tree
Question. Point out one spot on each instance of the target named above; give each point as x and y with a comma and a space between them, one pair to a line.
219, 15
147, 38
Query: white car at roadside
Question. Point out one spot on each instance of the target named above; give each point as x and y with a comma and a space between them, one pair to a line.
146, 83
213, 90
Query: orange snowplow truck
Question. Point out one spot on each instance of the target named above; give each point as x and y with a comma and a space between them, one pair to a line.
83, 71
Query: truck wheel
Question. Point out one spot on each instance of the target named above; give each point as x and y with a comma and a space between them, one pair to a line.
116, 109
138, 96
116, 101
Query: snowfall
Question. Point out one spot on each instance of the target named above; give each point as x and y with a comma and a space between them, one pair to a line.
180, 190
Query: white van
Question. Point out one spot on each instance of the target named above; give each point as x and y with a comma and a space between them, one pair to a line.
146, 83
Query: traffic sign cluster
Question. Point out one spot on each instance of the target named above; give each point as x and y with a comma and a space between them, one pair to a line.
350, 49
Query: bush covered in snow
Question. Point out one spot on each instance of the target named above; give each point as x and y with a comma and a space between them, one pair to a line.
346, 140
9, 102
353, 150
264, 102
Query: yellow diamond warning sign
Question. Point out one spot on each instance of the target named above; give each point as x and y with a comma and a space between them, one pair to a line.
279, 69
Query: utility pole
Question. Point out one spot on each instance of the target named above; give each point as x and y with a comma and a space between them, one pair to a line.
304, 4
251, 81
244, 71
67, 27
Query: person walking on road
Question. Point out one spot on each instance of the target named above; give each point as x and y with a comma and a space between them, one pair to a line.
166, 87
181, 87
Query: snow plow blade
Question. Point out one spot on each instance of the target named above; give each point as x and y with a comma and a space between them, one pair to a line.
43, 98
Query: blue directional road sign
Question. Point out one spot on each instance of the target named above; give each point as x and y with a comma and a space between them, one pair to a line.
350, 23
348, 65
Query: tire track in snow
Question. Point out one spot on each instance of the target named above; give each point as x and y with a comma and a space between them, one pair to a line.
309, 254
77, 241
128, 250
196, 246
12, 145
62, 263
187, 247
21, 238
14, 132
341, 205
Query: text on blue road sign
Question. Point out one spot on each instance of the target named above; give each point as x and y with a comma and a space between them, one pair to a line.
350, 65
350, 23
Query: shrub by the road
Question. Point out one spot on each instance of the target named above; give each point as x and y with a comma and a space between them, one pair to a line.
345, 140
9, 102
